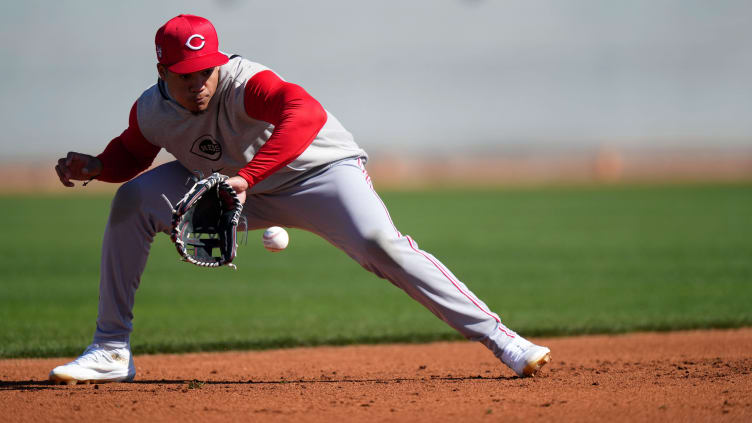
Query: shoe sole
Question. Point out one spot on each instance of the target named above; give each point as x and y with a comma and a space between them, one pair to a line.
534, 366
67, 380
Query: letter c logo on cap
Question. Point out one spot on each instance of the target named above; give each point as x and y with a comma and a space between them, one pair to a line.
190, 45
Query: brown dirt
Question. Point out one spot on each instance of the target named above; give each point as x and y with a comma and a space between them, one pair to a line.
681, 376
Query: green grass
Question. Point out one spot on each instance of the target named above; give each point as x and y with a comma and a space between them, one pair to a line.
550, 261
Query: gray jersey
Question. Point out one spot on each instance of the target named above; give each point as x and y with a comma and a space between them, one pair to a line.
224, 138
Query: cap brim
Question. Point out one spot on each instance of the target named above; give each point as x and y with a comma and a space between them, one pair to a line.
199, 63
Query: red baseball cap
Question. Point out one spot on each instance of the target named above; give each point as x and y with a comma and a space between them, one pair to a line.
188, 43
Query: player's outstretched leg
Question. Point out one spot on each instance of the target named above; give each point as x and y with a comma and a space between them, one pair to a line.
398, 258
137, 214
341, 206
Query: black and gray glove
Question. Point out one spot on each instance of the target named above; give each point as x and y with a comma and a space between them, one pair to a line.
206, 219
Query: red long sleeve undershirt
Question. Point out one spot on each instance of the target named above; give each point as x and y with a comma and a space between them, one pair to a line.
297, 118
127, 155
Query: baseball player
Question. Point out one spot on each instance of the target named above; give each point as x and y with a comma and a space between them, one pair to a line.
291, 162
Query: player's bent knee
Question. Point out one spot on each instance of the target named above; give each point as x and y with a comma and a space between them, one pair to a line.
126, 202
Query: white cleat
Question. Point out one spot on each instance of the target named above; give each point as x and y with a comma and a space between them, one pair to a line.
98, 364
525, 358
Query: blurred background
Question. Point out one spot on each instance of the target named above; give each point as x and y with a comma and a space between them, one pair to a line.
612, 143
447, 91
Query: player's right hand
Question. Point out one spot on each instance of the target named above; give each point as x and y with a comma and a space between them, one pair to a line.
240, 185
77, 167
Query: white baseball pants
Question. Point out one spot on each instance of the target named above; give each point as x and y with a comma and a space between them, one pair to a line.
338, 204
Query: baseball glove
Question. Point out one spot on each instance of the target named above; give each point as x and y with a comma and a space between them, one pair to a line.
206, 219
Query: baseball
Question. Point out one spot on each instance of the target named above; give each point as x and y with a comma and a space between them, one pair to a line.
275, 239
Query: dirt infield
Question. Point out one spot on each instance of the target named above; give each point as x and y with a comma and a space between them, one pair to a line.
681, 376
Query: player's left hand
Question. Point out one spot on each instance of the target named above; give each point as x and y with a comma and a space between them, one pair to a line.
77, 167
239, 184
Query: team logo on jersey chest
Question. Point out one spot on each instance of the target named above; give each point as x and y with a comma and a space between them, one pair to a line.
207, 147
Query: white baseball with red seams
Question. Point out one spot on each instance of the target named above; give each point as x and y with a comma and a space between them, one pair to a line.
275, 239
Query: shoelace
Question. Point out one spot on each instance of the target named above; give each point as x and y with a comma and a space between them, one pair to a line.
97, 354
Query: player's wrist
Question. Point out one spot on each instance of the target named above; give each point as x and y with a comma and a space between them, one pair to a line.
239, 182
94, 167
